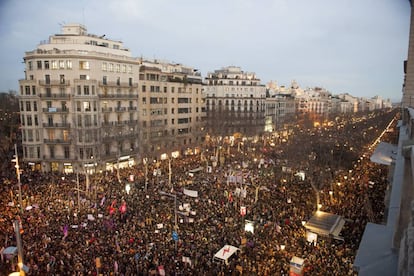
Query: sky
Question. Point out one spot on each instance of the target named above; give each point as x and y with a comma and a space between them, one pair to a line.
345, 46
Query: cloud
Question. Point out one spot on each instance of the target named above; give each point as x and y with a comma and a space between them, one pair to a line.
343, 45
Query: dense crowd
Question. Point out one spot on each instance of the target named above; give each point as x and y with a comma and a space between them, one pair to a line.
103, 229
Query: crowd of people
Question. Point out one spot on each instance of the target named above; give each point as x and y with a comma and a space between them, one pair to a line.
102, 228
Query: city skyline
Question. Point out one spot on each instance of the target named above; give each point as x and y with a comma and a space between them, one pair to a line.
355, 47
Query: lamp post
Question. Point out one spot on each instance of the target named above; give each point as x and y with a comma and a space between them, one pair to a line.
175, 205
16, 160
16, 227
77, 182
145, 160
169, 172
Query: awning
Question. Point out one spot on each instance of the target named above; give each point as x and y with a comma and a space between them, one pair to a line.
375, 255
384, 153
326, 224
11, 250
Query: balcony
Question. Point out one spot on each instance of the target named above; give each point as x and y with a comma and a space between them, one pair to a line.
118, 96
118, 84
120, 109
55, 110
120, 123
54, 83
56, 125
106, 109
55, 96
57, 141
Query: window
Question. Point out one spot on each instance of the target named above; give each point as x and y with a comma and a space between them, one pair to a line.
66, 152
104, 66
28, 106
27, 89
80, 125
144, 88
64, 106
104, 80
30, 135
29, 120
111, 67
79, 89
87, 106
144, 100
130, 69
124, 68
39, 64
36, 120
84, 65
68, 64
83, 77
86, 90
34, 106
33, 90
130, 81
46, 64
54, 64
87, 123
62, 79
117, 68
30, 65
47, 79
50, 120
61, 64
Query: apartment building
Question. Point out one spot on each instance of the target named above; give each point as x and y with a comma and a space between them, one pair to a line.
279, 109
235, 102
87, 105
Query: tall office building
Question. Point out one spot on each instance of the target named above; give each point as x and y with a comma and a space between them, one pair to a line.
87, 104
235, 102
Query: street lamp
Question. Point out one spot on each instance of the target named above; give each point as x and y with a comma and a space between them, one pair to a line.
16, 160
16, 226
175, 205
145, 160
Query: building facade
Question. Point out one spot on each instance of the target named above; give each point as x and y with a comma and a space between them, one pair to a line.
279, 110
86, 103
408, 86
235, 102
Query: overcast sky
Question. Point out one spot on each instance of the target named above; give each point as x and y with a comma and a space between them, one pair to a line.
346, 46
